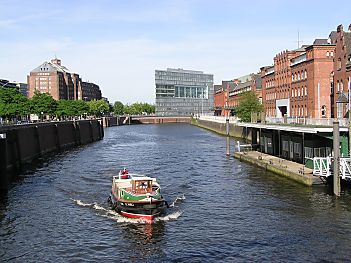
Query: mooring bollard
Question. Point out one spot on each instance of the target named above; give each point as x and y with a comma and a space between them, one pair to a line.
228, 139
336, 145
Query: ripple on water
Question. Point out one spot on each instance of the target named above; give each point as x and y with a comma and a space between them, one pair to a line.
221, 209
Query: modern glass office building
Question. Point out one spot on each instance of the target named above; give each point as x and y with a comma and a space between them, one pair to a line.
183, 92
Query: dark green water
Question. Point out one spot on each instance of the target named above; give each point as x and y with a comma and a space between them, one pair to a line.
224, 210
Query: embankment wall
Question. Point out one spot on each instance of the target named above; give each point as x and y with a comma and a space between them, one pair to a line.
234, 130
20, 145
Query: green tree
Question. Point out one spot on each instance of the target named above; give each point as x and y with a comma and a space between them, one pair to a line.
62, 108
98, 107
43, 104
13, 103
139, 108
248, 102
81, 107
118, 108
71, 108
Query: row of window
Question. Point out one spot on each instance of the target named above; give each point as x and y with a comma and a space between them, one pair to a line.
297, 111
270, 83
181, 92
330, 54
299, 92
299, 76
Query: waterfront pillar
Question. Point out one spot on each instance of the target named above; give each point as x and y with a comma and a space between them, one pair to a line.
336, 147
228, 139
3, 162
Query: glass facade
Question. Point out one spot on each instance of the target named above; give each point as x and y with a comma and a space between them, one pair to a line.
183, 92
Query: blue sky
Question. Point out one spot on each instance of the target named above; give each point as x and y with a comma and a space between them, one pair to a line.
119, 44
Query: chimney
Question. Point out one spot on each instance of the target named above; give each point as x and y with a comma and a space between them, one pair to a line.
339, 28
56, 61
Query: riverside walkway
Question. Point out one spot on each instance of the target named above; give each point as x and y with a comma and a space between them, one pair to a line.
295, 171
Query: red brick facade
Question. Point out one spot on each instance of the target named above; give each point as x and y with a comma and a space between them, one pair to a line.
341, 71
310, 82
60, 83
226, 96
310, 88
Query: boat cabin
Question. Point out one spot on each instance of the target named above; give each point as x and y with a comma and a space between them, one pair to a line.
142, 185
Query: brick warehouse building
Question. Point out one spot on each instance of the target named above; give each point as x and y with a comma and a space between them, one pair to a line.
341, 71
56, 80
220, 97
276, 84
310, 81
227, 94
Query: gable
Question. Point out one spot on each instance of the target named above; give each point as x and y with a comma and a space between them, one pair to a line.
46, 67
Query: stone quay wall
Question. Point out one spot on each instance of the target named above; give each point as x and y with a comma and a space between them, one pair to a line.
234, 130
20, 145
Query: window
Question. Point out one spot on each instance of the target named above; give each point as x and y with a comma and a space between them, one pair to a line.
339, 63
309, 152
328, 54
297, 149
305, 74
324, 111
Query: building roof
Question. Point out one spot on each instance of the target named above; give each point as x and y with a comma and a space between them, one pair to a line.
258, 80
51, 67
7, 84
217, 88
333, 36
243, 85
228, 84
321, 41
244, 78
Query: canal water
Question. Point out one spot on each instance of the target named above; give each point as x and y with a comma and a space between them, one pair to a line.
222, 210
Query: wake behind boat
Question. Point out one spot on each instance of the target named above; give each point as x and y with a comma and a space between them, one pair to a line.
137, 196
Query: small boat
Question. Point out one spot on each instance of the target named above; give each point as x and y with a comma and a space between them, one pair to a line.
137, 196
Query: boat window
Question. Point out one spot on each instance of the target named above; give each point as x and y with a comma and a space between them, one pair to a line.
142, 186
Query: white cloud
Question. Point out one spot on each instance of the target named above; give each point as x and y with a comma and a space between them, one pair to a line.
125, 69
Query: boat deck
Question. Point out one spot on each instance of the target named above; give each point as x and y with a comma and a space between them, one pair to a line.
137, 192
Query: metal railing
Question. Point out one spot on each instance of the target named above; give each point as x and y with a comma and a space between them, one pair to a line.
219, 119
343, 122
322, 166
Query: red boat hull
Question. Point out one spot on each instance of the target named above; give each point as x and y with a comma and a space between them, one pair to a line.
146, 218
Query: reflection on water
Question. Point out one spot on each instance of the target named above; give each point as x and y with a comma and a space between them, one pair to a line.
221, 209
